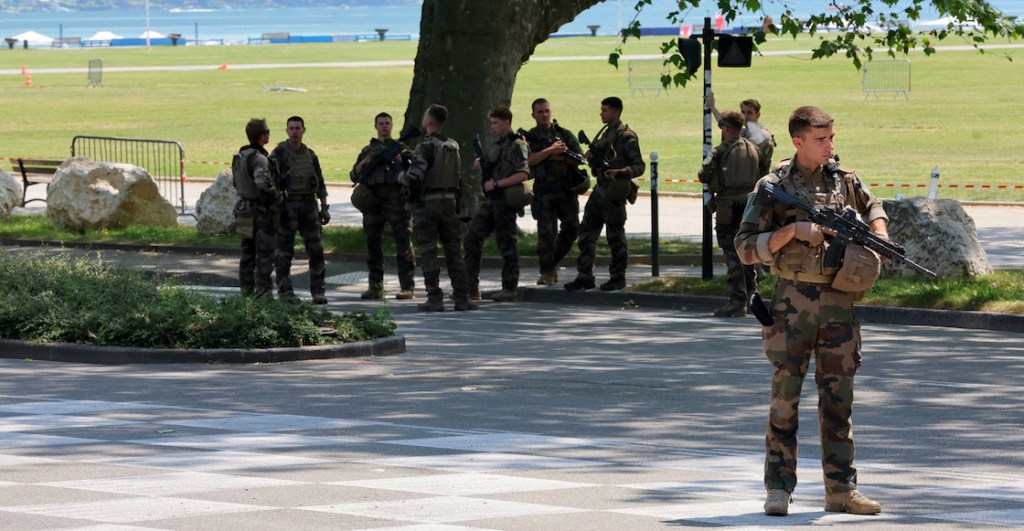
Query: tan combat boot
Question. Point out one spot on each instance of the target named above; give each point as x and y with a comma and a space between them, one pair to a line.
548, 279
777, 503
474, 293
852, 502
372, 293
732, 309
436, 305
505, 295
405, 294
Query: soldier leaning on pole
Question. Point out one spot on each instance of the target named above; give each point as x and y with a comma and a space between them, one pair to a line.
615, 160
378, 195
811, 312
504, 199
433, 180
557, 183
302, 183
256, 210
731, 169
753, 129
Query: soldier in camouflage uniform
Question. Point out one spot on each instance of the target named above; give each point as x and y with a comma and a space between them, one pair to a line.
731, 169
810, 316
509, 158
391, 209
433, 181
753, 130
554, 202
619, 162
255, 212
305, 185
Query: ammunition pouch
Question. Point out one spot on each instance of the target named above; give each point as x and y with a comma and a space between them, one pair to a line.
518, 196
861, 268
363, 199
245, 220
579, 181
620, 190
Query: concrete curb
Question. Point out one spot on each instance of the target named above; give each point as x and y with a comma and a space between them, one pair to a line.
872, 314
79, 353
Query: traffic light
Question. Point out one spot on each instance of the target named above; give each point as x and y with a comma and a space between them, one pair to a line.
690, 50
734, 51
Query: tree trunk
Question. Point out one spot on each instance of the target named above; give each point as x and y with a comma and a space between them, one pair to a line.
469, 54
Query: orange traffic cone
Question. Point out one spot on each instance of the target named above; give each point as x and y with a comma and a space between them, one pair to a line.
223, 66
28, 79
23, 71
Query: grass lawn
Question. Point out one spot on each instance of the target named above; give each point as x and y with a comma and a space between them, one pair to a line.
962, 113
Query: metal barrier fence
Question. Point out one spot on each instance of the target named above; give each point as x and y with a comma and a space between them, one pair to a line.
163, 159
645, 74
886, 75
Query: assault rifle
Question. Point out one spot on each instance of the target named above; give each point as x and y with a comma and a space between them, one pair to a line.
598, 164
388, 153
486, 168
848, 230
546, 142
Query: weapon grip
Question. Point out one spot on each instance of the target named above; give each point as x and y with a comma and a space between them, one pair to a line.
836, 251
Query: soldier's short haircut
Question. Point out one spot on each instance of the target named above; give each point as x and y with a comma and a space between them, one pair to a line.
752, 103
501, 112
296, 119
382, 115
806, 118
536, 102
613, 102
438, 113
256, 128
731, 119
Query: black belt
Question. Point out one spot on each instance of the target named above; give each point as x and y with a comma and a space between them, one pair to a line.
300, 197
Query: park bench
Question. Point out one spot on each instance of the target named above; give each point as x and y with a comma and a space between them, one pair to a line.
35, 171
270, 37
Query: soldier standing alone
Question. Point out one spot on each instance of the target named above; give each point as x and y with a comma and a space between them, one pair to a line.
555, 201
812, 309
509, 159
615, 160
731, 170
255, 211
304, 184
389, 207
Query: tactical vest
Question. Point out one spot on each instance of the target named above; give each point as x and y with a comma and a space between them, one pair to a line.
614, 145
383, 173
502, 155
738, 169
241, 174
446, 171
548, 169
796, 256
300, 165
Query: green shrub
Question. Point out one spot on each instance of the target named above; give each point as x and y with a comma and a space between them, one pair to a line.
76, 300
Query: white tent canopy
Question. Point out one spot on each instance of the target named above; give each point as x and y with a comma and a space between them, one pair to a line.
152, 34
104, 36
33, 38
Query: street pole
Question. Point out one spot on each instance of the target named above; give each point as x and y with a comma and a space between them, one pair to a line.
655, 251
708, 38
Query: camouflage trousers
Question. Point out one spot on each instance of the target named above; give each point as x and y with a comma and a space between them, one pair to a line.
597, 214
493, 216
742, 279
300, 217
257, 261
811, 320
554, 204
432, 220
391, 210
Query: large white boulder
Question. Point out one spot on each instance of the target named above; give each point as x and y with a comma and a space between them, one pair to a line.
10, 195
101, 195
938, 234
215, 210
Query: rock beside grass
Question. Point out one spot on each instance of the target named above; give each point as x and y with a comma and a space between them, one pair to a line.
215, 208
10, 195
938, 234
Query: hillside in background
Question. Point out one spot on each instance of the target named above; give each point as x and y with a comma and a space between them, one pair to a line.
95, 5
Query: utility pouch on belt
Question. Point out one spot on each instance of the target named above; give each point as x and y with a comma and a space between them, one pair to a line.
861, 268
245, 219
518, 196
363, 199
619, 190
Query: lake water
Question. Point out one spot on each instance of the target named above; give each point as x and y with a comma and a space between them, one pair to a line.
239, 25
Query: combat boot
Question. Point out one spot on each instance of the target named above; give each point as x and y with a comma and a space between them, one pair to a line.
466, 306
852, 502
505, 295
474, 293
372, 293
732, 309
777, 503
431, 305
319, 298
548, 279
614, 284
405, 294
579, 284
287, 296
